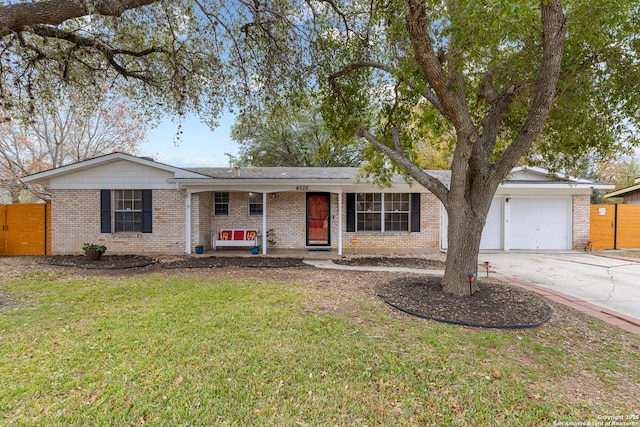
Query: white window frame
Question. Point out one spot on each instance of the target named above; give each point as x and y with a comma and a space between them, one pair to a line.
127, 199
369, 202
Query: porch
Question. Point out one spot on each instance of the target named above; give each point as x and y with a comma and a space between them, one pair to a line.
299, 221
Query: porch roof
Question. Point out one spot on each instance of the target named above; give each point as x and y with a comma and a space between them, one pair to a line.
347, 174
272, 179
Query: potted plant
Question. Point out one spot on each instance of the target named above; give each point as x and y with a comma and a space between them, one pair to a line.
93, 251
255, 250
199, 249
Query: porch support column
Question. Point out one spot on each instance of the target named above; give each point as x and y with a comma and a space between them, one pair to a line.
263, 239
187, 223
340, 222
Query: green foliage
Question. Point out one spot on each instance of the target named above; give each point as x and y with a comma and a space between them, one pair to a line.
97, 247
596, 115
291, 136
192, 56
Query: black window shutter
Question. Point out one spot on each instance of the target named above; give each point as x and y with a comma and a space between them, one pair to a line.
146, 211
105, 211
415, 212
351, 212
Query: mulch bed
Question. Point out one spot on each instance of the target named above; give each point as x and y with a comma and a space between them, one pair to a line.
122, 262
219, 262
107, 262
379, 261
493, 305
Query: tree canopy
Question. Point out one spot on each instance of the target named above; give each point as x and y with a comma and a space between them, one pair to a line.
285, 137
67, 130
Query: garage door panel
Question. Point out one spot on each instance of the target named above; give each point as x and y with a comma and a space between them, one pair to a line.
539, 223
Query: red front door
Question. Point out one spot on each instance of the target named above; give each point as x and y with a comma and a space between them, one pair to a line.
318, 219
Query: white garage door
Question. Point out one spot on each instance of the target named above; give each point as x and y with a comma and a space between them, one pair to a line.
539, 223
492, 233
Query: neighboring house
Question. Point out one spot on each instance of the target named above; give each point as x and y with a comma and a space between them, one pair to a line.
630, 194
134, 205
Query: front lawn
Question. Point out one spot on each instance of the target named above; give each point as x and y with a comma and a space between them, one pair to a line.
194, 349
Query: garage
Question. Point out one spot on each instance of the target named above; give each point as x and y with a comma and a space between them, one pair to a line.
533, 210
539, 223
529, 223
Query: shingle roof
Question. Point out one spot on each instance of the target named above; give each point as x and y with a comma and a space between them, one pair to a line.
271, 173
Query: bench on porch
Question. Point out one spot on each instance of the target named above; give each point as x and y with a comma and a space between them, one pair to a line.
236, 237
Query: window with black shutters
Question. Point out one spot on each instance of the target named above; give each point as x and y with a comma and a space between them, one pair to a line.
126, 211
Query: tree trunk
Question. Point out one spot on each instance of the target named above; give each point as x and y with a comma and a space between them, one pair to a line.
14, 191
466, 222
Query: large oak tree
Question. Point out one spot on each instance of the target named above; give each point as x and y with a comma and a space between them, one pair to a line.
548, 82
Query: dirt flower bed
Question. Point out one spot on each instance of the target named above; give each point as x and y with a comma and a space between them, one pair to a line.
106, 262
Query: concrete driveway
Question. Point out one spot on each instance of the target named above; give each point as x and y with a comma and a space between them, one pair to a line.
610, 283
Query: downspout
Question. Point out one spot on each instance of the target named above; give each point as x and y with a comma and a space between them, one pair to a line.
264, 223
187, 223
340, 222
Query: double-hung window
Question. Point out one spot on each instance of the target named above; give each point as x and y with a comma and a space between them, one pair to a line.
126, 211
396, 211
369, 211
221, 204
382, 211
255, 204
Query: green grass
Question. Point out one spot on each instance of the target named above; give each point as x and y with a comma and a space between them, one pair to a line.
159, 350
630, 254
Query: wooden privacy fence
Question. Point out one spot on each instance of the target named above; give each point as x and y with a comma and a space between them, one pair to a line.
615, 226
26, 229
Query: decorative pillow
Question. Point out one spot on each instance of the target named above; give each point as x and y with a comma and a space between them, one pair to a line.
238, 234
251, 234
224, 235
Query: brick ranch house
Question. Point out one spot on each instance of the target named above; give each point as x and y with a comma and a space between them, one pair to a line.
135, 205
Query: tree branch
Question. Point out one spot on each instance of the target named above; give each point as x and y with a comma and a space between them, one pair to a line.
14, 17
428, 94
451, 94
108, 52
554, 28
423, 178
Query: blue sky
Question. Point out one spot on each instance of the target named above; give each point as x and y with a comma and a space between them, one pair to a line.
199, 145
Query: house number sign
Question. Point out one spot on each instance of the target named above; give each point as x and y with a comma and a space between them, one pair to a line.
302, 188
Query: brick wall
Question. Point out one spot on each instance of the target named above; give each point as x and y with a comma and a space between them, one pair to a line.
201, 211
75, 219
581, 221
286, 216
428, 239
